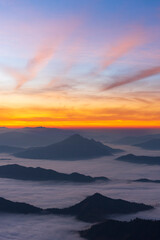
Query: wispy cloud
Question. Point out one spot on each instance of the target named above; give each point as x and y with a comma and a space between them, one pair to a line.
34, 66
133, 78
70, 62
122, 47
59, 34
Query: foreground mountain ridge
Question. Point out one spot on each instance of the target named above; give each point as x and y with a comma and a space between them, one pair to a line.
97, 207
137, 229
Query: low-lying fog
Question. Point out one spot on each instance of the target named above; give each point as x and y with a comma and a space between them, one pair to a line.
51, 194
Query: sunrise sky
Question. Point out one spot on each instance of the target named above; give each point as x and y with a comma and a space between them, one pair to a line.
80, 63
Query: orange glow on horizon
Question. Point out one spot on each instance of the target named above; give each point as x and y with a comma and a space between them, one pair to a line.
79, 124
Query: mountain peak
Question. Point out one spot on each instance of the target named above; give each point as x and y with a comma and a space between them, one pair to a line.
74, 147
76, 136
96, 195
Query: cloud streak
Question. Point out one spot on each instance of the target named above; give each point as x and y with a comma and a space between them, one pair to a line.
34, 65
72, 58
129, 79
45, 53
120, 49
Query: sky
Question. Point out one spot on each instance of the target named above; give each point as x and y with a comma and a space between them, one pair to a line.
88, 63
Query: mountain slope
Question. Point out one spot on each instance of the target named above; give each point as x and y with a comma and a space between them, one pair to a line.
73, 148
140, 159
7, 206
10, 149
33, 137
137, 229
153, 144
133, 140
15, 171
96, 208
146, 180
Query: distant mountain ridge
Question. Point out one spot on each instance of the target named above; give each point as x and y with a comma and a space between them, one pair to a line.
10, 149
153, 144
134, 140
139, 159
74, 147
18, 172
146, 180
33, 137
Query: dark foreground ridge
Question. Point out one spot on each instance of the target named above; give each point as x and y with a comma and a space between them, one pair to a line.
95, 208
140, 159
15, 171
75, 147
137, 229
7, 206
153, 144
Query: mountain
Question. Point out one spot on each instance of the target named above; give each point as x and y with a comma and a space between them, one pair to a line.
134, 140
73, 148
140, 159
92, 209
10, 149
137, 229
7, 206
95, 208
33, 137
153, 144
116, 135
147, 180
15, 171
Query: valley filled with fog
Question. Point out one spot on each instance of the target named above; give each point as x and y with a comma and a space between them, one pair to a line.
51, 194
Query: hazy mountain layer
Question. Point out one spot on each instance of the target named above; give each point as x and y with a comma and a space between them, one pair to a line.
140, 159
73, 148
15, 171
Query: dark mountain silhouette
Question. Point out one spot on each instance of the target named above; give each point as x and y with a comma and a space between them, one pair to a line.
7, 206
15, 171
153, 144
96, 208
10, 149
73, 148
137, 229
140, 159
93, 209
33, 137
147, 180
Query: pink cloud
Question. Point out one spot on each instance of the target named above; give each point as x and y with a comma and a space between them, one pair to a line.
120, 49
44, 54
137, 77
70, 61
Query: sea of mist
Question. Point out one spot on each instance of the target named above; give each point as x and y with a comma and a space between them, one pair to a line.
52, 194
